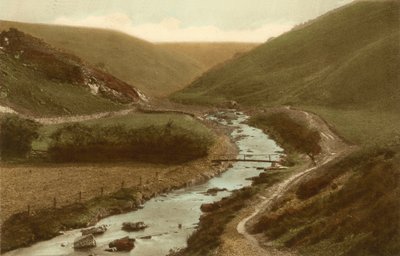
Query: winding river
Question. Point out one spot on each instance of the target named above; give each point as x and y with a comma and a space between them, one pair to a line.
164, 213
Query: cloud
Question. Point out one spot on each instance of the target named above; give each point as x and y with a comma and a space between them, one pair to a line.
171, 29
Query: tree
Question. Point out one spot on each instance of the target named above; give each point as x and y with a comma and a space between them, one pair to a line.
16, 136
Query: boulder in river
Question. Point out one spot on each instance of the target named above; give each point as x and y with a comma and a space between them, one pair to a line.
214, 191
125, 244
82, 242
94, 230
133, 226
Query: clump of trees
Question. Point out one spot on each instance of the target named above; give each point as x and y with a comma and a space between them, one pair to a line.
291, 133
168, 143
16, 136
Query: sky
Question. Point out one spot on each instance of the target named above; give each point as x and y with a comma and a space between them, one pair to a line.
174, 20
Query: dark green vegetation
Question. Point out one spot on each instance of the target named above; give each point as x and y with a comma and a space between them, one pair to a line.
347, 58
16, 136
38, 79
296, 136
169, 143
130, 121
358, 217
23, 229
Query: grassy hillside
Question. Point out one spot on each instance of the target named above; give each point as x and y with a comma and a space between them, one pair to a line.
150, 68
209, 54
347, 58
20, 91
39, 80
348, 208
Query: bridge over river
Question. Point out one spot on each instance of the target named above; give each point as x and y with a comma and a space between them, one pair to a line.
260, 158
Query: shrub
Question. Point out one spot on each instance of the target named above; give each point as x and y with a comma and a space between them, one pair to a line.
16, 136
167, 143
291, 133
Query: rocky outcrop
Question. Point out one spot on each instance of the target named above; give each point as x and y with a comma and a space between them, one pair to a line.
55, 64
94, 230
124, 244
83, 242
214, 191
133, 226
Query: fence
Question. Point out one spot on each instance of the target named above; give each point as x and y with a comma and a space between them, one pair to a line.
56, 199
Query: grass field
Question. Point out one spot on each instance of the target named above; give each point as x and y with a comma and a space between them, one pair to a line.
135, 120
362, 127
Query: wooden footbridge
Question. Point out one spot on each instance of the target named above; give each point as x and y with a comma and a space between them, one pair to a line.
260, 158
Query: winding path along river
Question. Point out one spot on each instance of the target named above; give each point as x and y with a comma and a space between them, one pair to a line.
164, 213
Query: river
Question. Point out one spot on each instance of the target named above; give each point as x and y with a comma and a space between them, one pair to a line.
164, 213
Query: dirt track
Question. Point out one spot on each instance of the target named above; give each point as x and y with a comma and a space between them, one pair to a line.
236, 240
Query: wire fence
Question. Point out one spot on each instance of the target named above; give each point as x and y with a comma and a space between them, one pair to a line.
57, 200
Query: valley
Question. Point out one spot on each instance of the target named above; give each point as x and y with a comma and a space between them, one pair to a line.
99, 128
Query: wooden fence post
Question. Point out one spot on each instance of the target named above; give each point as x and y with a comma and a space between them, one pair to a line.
29, 209
140, 181
102, 191
122, 184
80, 196
54, 202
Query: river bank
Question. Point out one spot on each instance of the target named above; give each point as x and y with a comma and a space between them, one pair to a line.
86, 193
232, 237
163, 213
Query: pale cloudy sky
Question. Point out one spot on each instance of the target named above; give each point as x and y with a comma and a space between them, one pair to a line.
174, 20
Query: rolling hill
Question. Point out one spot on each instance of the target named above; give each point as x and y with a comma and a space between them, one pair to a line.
348, 58
156, 69
149, 68
209, 54
37, 79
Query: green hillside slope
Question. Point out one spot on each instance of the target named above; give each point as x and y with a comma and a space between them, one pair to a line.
209, 54
149, 68
37, 79
347, 58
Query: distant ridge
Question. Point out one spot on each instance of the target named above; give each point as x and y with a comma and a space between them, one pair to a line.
151, 69
156, 69
209, 54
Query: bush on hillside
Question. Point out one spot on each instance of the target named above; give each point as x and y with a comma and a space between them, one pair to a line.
167, 143
16, 136
287, 131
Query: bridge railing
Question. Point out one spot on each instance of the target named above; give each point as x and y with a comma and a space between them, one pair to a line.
249, 156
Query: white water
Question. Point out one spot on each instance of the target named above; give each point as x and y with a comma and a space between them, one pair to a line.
164, 213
